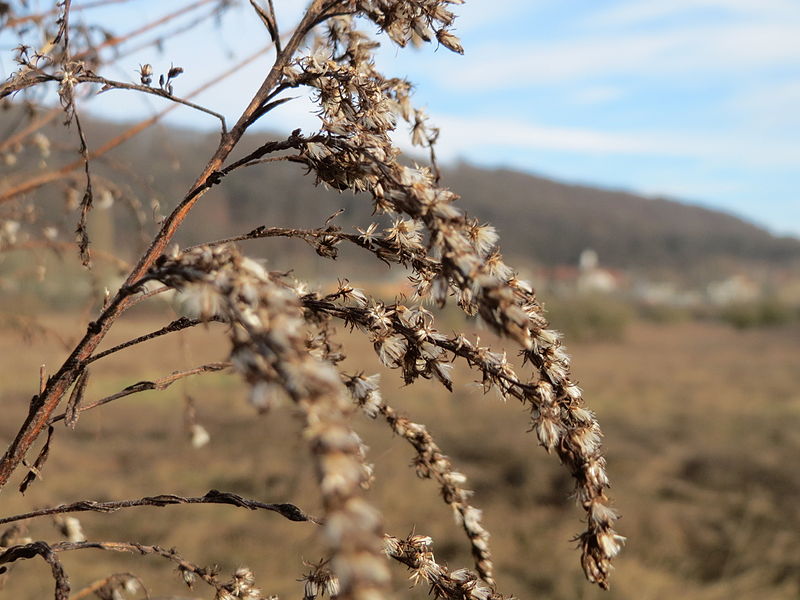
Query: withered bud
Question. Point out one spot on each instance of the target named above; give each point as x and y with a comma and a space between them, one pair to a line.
146, 73
187, 575
449, 41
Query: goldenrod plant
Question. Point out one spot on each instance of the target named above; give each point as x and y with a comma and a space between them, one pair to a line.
283, 331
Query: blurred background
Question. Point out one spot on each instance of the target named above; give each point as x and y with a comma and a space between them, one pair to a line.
640, 162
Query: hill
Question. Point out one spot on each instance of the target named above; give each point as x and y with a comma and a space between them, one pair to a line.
541, 221
554, 222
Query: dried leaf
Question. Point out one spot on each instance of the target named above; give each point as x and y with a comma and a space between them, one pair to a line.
71, 413
35, 470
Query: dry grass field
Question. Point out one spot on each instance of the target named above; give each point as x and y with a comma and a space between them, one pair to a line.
702, 427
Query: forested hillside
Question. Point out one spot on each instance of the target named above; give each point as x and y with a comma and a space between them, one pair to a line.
542, 222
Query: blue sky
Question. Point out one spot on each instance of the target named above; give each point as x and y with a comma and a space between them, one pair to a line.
693, 99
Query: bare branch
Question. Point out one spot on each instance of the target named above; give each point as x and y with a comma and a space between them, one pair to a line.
145, 386
288, 511
78, 7
109, 84
176, 325
47, 552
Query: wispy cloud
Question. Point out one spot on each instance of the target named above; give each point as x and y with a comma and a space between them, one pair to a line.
473, 16
597, 94
463, 136
687, 51
770, 107
637, 13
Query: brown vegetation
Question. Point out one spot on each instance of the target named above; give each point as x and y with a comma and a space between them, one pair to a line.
697, 437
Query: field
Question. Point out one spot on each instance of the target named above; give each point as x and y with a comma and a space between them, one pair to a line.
702, 427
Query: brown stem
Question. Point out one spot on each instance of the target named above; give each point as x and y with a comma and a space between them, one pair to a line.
289, 511
176, 325
101, 583
57, 246
144, 386
116, 40
27, 18
32, 126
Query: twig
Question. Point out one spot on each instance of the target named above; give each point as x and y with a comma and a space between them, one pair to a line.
288, 511
109, 84
48, 551
95, 586
117, 40
176, 325
144, 386
56, 245
35, 17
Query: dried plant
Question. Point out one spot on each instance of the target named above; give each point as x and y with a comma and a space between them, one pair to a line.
282, 334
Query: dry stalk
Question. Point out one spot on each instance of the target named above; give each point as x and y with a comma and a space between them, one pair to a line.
267, 331
430, 463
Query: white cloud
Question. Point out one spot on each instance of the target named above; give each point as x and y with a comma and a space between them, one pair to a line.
717, 49
461, 136
597, 94
638, 12
773, 106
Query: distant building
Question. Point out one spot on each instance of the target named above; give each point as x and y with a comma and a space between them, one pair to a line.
738, 288
588, 260
594, 279
587, 278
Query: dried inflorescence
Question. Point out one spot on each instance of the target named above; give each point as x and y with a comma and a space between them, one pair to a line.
282, 335
430, 463
268, 333
416, 552
359, 155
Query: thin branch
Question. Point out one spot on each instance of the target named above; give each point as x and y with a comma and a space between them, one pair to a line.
95, 586
417, 554
54, 112
141, 297
295, 140
169, 35
492, 365
117, 40
109, 84
56, 246
430, 463
288, 511
22, 81
176, 325
48, 551
268, 18
275, 24
78, 7
88, 195
268, 232
145, 386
